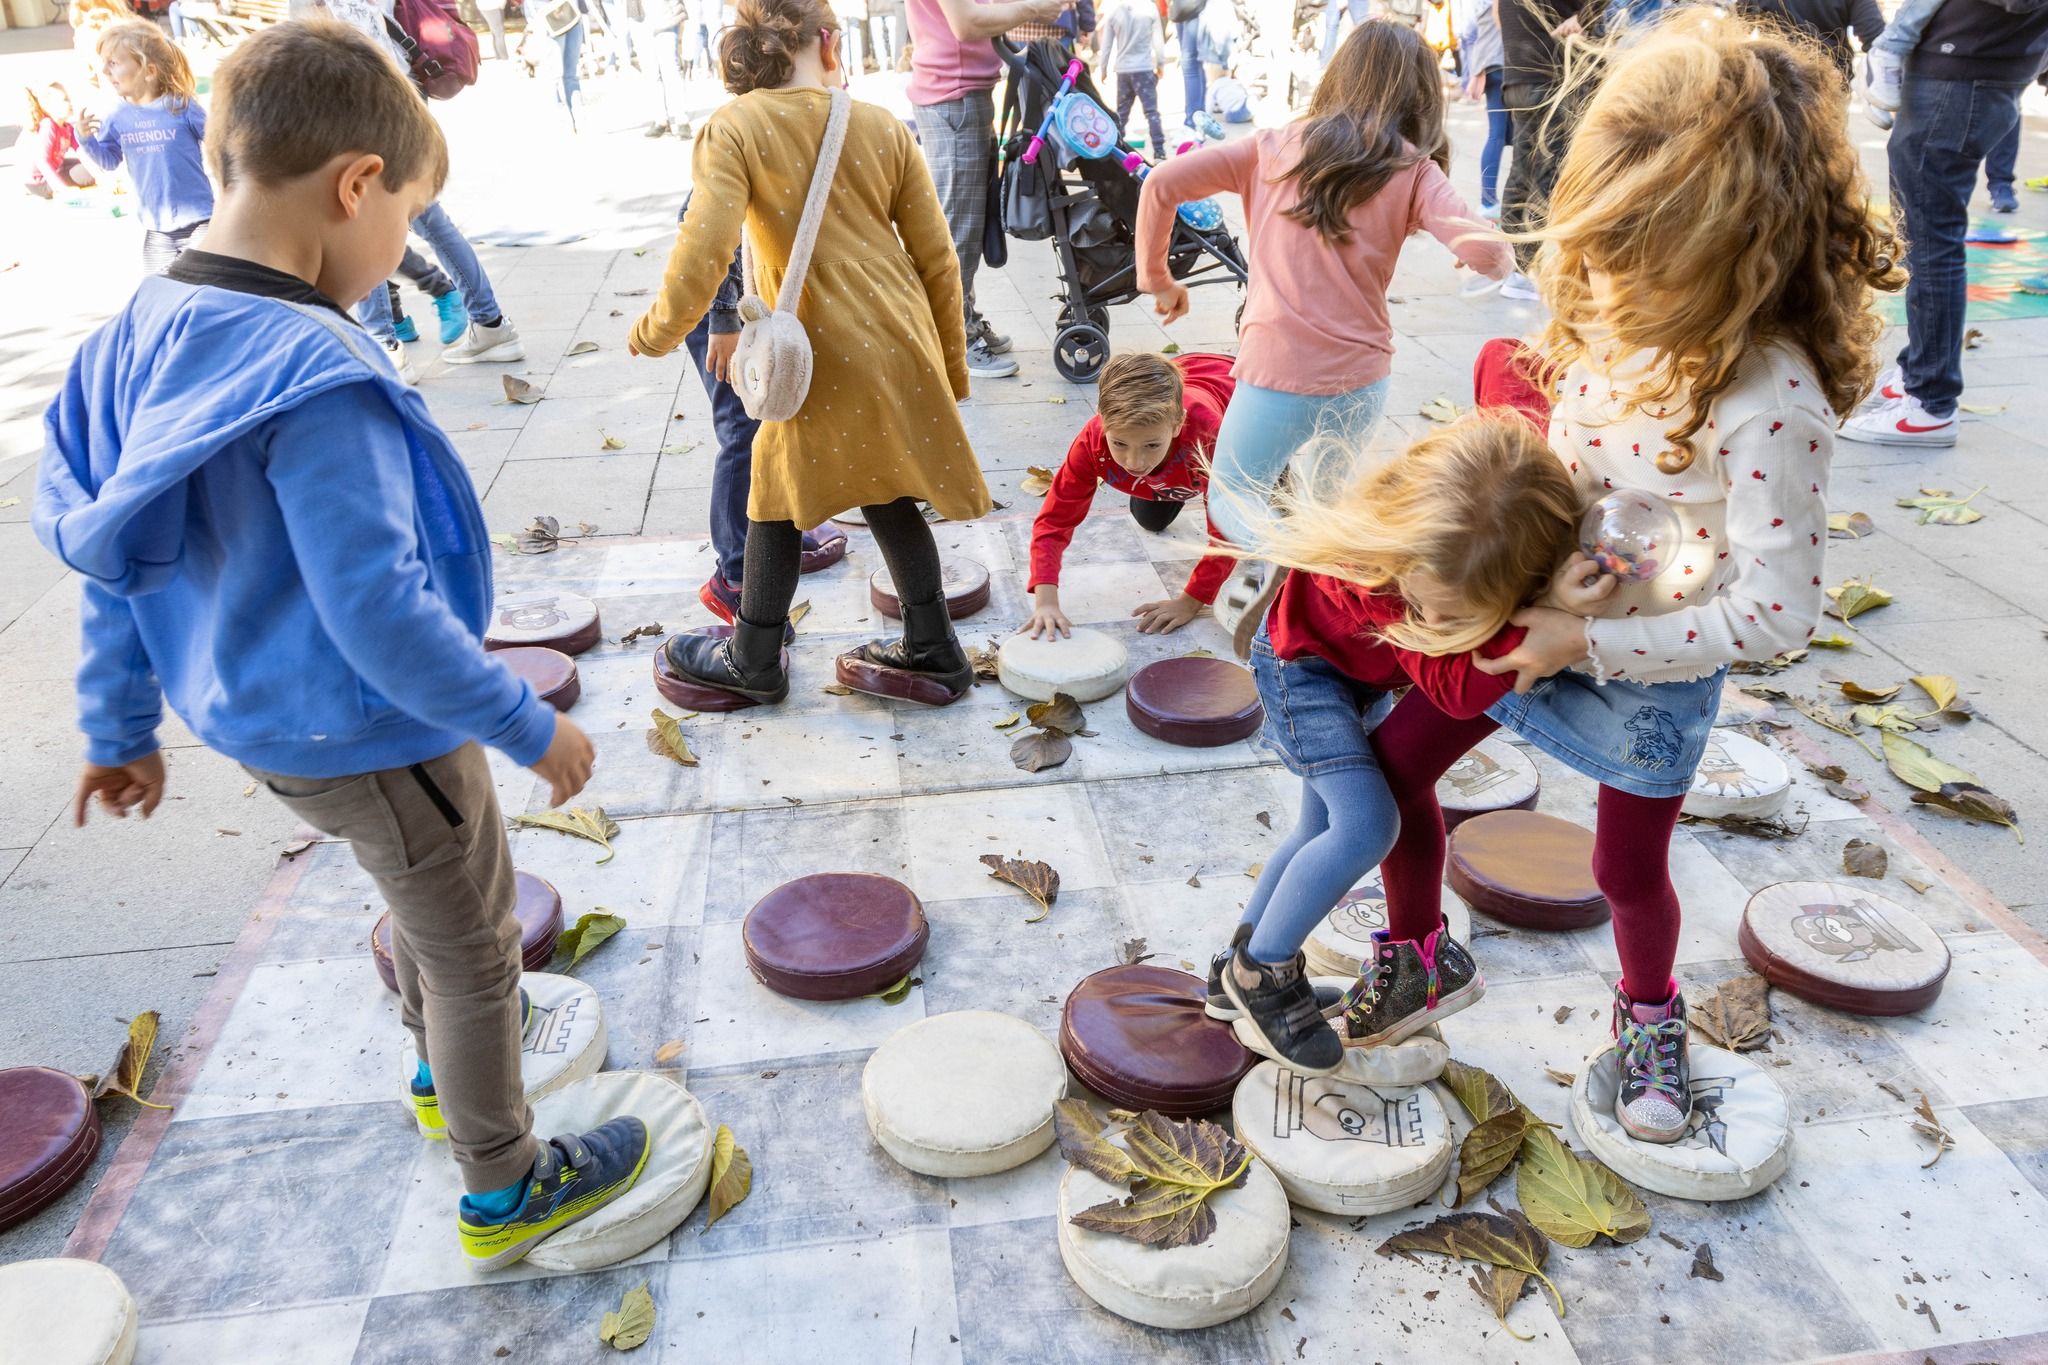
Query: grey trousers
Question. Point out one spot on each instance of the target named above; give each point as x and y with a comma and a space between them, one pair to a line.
431, 838
959, 140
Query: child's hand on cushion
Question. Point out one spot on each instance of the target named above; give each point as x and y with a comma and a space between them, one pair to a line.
1046, 616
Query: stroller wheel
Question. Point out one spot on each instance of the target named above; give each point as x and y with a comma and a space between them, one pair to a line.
1080, 351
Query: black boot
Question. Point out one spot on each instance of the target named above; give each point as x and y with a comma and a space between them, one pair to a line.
927, 665
1279, 1016
747, 663
1329, 999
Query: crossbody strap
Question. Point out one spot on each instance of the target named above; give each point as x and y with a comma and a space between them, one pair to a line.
792, 287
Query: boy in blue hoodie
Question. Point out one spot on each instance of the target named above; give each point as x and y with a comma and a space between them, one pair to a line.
274, 534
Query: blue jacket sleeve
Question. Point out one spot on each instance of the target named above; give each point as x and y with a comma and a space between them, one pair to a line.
119, 701
351, 512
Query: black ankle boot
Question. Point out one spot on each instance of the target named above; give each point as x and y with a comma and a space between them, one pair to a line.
748, 662
928, 649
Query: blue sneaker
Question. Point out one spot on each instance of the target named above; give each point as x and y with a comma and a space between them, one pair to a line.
573, 1177
426, 1104
2003, 200
454, 317
404, 330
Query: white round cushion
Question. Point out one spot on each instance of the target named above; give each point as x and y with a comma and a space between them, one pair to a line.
540, 617
1180, 1287
1738, 776
1843, 946
677, 1173
1342, 942
1415, 1060
1495, 775
1088, 666
1739, 1141
1342, 1146
565, 1042
967, 1093
65, 1312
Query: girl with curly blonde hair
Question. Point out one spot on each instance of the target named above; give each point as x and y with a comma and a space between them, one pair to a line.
1708, 258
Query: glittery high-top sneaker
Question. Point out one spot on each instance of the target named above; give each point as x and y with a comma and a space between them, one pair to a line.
1407, 986
1655, 1100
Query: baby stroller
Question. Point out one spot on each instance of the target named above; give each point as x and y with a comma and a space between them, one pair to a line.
1089, 210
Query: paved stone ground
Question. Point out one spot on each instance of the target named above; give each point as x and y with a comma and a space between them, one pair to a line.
99, 924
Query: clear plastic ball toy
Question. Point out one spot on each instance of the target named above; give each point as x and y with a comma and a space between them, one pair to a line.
1630, 534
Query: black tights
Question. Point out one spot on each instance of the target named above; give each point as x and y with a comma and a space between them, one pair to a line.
775, 557
1154, 514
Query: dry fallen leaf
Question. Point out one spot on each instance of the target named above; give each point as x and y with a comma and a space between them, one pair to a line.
669, 1051
1035, 879
1132, 952
1571, 1199
1440, 409
1041, 749
1007, 721
836, 690
1499, 1290
1563, 1078
1174, 1166
1850, 525
611, 442
579, 821
1037, 481
582, 348
798, 612
1062, 715
1943, 692
985, 660
1920, 888
1736, 1015
732, 1176
1509, 1240
632, 1324
646, 632
1856, 691
666, 739
1931, 1128
1489, 1149
1861, 858
1937, 508
517, 390
1855, 597
1703, 1265
125, 1075
1945, 786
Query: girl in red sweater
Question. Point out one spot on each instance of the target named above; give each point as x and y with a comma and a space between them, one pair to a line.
53, 162
1410, 569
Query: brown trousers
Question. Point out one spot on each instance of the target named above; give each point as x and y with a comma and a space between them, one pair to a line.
431, 837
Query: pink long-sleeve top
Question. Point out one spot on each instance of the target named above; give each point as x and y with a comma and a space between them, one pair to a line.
1315, 313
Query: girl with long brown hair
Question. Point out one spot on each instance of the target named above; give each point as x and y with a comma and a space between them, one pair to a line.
1328, 201
1708, 261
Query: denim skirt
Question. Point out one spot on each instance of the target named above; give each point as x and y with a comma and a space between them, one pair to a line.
1642, 738
1317, 719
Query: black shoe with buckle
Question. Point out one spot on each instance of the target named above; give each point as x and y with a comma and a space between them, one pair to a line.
1329, 1000
747, 663
1280, 1016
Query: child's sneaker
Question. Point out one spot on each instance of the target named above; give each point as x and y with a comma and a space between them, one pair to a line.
1884, 79
1521, 287
1329, 1000
986, 364
454, 317
1281, 1020
405, 329
400, 362
573, 1177
721, 597
426, 1103
486, 345
1901, 421
1655, 1100
1409, 986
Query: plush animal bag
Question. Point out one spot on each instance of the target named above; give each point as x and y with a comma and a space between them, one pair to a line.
771, 367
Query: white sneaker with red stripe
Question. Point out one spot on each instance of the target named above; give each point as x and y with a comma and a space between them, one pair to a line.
1890, 385
1901, 421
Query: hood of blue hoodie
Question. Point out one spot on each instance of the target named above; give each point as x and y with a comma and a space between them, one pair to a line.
151, 401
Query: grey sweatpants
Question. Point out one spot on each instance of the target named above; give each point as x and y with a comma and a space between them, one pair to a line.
431, 838
959, 140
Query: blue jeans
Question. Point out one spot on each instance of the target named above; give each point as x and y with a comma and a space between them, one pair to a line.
2001, 159
1262, 428
1320, 723
1645, 739
1902, 31
662, 49
1333, 21
1944, 130
1194, 77
568, 55
732, 471
457, 257
1500, 126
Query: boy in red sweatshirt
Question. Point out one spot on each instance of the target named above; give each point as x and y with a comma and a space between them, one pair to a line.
1152, 436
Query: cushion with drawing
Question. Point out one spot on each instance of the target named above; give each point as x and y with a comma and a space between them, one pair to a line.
1739, 1140
1738, 776
1842, 946
561, 621
1342, 940
563, 1042
1495, 775
965, 584
1340, 1145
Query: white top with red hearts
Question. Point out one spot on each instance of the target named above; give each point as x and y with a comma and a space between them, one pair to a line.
1752, 506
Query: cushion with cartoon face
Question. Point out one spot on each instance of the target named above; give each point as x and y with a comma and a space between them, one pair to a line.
1738, 776
48, 1138
1087, 666
547, 618
563, 1042
835, 936
1842, 946
1140, 1036
65, 1311
552, 673
1179, 1288
1342, 941
538, 908
1525, 869
1197, 703
1495, 775
677, 1173
1739, 1140
1340, 1145
965, 1093
965, 583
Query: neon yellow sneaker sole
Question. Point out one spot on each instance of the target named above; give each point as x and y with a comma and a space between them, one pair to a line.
574, 1177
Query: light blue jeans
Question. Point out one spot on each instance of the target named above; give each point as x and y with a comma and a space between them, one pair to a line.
1333, 21
1263, 428
1902, 31
457, 257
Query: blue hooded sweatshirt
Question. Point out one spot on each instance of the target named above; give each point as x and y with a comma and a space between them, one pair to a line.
273, 533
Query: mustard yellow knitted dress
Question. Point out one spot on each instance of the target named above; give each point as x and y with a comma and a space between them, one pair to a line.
881, 304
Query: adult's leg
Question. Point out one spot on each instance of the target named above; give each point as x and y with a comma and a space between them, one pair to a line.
1417, 744
569, 53
1194, 80
496, 19
732, 469
2000, 161
1538, 137
957, 146
1334, 846
427, 277
1499, 127
1632, 866
1943, 132
1153, 514
459, 257
1126, 95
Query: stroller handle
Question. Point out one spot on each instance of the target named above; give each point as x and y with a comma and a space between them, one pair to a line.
1031, 150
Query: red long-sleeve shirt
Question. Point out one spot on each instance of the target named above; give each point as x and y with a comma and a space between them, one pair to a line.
1339, 622
55, 143
1181, 477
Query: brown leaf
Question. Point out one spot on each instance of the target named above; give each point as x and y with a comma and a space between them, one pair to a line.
1132, 952
1562, 1013
666, 739
1499, 1289
1931, 1128
1703, 1264
1509, 1240
669, 1051
1035, 879
1489, 1149
1563, 1078
1264, 817
1041, 749
1062, 715
1920, 888
1177, 1166
1737, 1015
1861, 858
1082, 1142
985, 659
836, 690
651, 631
517, 390
1855, 691
125, 1075
1973, 803
1483, 1096
1037, 481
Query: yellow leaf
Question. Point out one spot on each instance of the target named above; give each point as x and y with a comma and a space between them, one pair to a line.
669, 1051
578, 821
125, 1074
798, 612
1037, 481
612, 442
1574, 1200
732, 1176
1939, 687
1855, 597
1007, 721
1834, 640
1440, 409
666, 739
632, 1324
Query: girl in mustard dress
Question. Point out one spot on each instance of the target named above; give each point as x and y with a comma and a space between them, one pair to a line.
880, 429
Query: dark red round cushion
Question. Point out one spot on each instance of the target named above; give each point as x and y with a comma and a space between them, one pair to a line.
898, 684
538, 910
561, 621
49, 1134
831, 549
966, 587
677, 690
1139, 1037
835, 936
1843, 946
1525, 869
552, 673
1199, 703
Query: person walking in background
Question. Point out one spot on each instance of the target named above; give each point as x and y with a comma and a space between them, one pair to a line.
1186, 16
1533, 34
1478, 30
1333, 22
493, 12
953, 71
1130, 51
658, 36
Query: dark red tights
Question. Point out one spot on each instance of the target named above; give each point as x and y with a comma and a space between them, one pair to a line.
1417, 744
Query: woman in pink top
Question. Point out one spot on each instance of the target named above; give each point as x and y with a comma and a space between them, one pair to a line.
1328, 200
